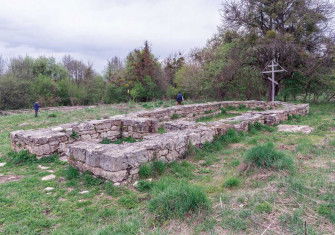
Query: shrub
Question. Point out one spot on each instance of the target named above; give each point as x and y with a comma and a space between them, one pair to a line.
267, 156
71, 173
22, 157
232, 182
263, 207
106, 141
177, 200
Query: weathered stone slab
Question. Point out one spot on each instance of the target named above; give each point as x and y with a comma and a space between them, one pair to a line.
295, 129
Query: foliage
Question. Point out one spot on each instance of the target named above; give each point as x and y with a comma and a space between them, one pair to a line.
178, 199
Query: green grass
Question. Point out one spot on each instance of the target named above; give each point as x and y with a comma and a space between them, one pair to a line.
286, 198
266, 156
125, 140
178, 199
232, 182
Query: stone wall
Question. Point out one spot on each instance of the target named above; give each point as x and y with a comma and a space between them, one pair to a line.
120, 162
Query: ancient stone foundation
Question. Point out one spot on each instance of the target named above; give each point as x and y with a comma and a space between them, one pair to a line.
80, 142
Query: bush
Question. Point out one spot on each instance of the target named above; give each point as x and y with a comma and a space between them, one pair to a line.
267, 156
178, 199
22, 157
71, 173
232, 182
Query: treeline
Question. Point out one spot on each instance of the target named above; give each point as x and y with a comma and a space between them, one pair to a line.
296, 33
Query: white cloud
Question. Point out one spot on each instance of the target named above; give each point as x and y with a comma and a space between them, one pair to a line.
96, 30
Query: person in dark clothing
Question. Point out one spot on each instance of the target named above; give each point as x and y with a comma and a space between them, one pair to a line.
36, 108
180, 98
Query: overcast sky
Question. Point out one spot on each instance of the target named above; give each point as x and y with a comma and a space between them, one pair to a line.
96, 30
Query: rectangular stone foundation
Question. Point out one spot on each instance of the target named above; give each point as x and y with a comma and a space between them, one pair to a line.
121, 162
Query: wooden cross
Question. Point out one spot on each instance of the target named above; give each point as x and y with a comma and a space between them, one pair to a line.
274, 69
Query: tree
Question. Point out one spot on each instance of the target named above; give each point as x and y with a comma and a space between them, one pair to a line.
294, 32
114, 70
143, 74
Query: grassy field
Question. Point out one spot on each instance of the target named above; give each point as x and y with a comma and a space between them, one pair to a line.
231, 190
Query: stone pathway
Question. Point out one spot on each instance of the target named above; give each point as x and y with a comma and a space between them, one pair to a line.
295, 129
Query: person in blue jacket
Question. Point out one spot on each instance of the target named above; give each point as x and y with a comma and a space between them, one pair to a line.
36, 108
179, 98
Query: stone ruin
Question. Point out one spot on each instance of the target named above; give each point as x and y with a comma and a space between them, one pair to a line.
80, 142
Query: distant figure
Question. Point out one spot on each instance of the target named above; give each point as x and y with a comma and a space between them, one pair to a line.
180, 98
36, 108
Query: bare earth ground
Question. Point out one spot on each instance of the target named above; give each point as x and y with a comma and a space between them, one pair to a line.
265, 202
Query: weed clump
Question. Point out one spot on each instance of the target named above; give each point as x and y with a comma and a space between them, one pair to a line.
152, 169
255, 127
22, 157
74, 135
106, 141
175, 116
266, 156
90, 180
232, 182
161, 130
178, 199
263, 207
71, 173
144, 186
328, 211
52, 115
125, 140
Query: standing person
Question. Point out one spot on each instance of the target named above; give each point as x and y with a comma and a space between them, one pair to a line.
180, 98
36, 108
